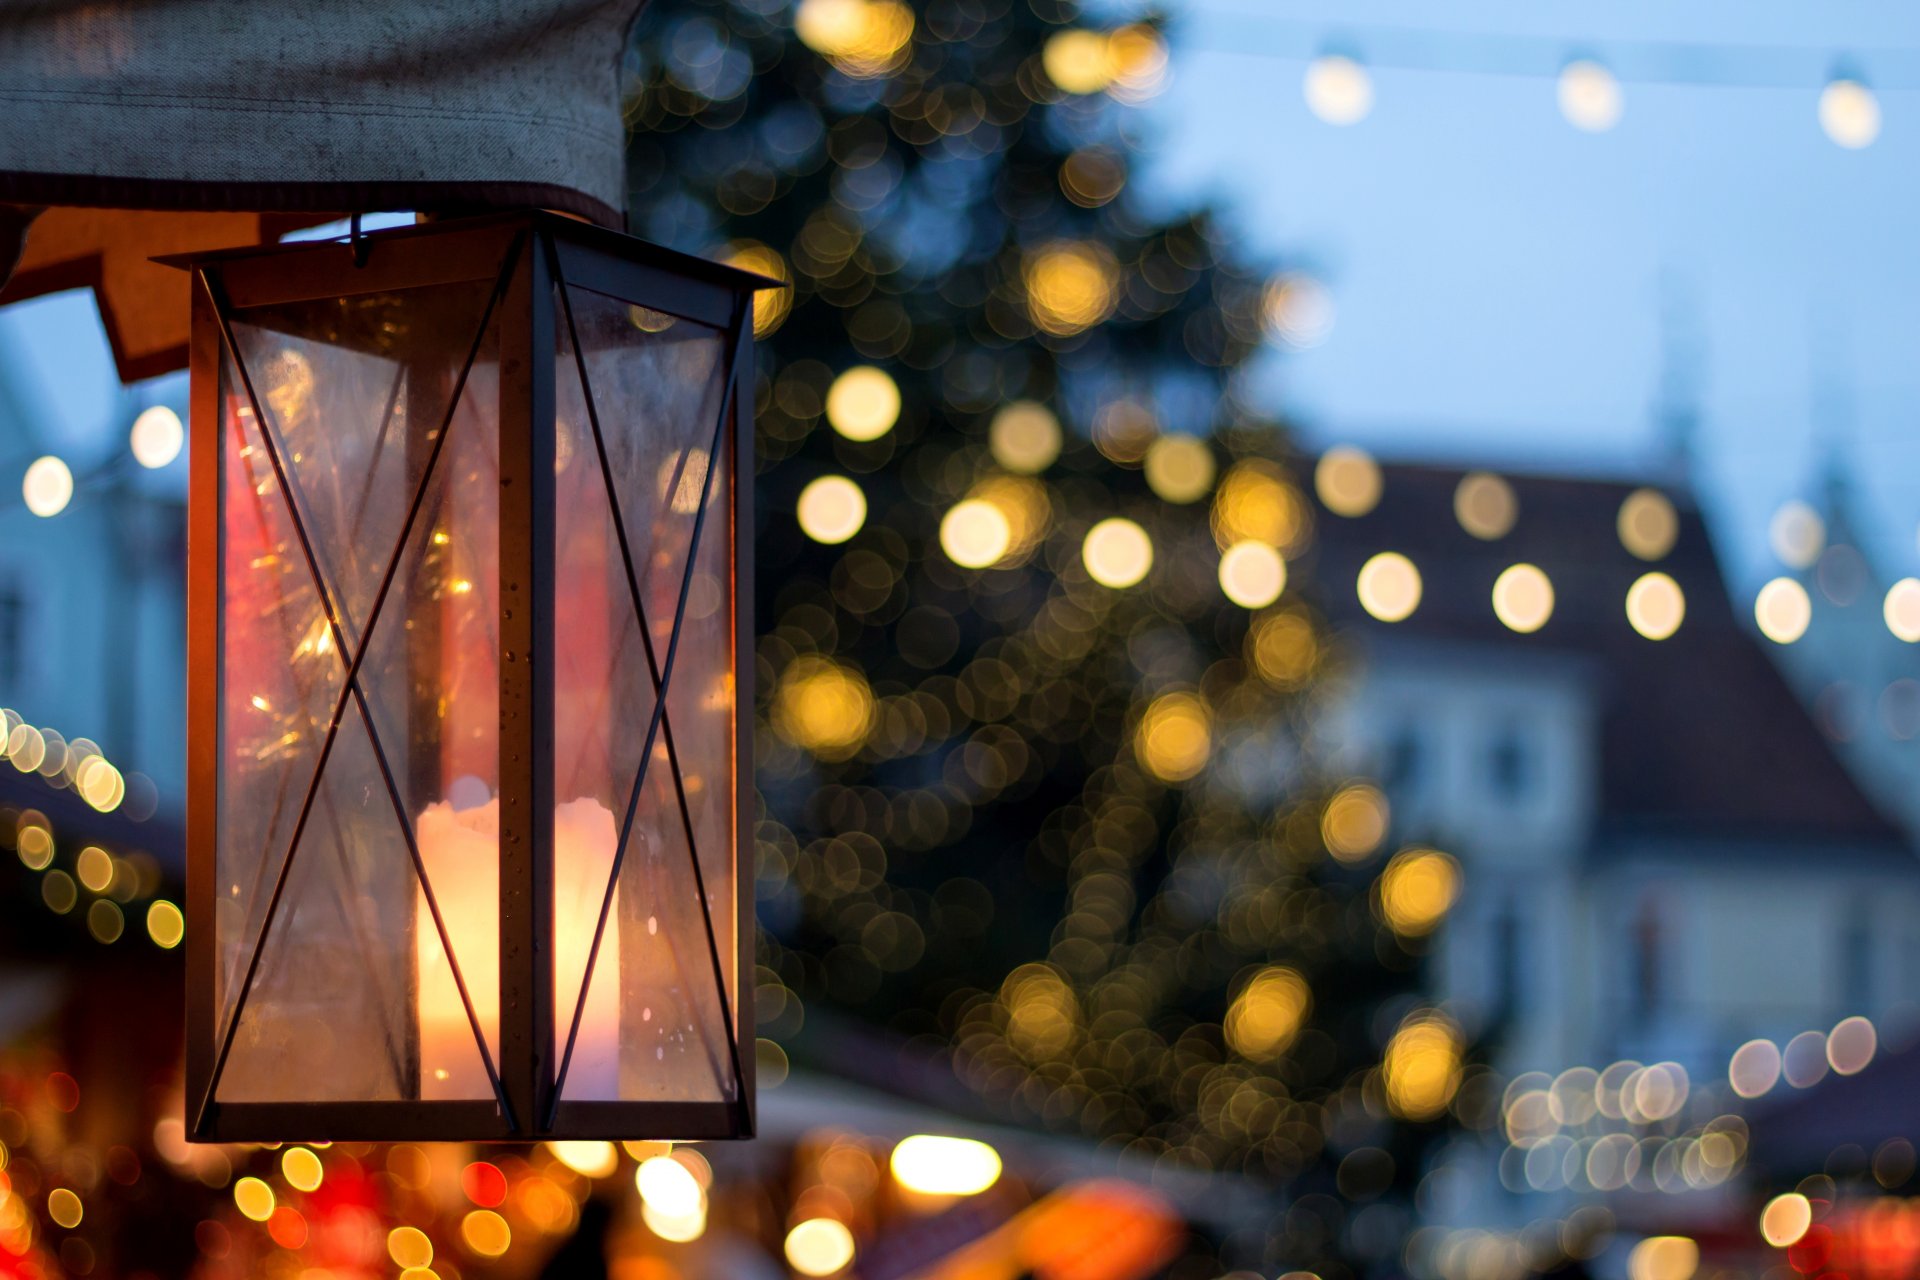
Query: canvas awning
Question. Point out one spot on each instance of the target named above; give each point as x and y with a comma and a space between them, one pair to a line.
148, 128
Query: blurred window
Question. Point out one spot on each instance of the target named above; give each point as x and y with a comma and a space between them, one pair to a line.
1647, 983
1856, 960
13, 627
1403, 765
1507, 764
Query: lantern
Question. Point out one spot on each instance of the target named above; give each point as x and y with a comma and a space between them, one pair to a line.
469, 524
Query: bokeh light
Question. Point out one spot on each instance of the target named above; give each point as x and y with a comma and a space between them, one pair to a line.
1417, 890
940, 1166
409, 1247
47, 486
1485, 505
1024, 437
1797, 534
1252, 574
1179, 468
831, 509
770, 306
1648, 524
1589, 96
586, 1158
157, 437
823, 706
1783, 610
1901, 609
302, 1170
1338, 89
64, 1207
486, 1233
1347, 481
1754, 1068
1422, 1065
1354, 822
819, 1247
165, 924
1266, 1017
1389, 587
1663, 1258
975, 533
1117, 552
1299, 310
1256, 503
1851, 1046
1786, 1219
862, 38
1072, 285
1076, 60
253, 1198
1656, 606
1175, 736
863, 403
1523, 598
668, 1186
1849, 114
1804, 1060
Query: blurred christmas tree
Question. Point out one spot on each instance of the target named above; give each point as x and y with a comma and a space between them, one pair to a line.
1035, 691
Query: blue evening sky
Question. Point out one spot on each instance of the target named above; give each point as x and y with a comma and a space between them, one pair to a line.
1500, 275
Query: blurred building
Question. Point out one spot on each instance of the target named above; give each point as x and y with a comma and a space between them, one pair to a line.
1663, 856
92, 598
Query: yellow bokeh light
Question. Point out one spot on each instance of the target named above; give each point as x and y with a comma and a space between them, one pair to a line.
1076, 60
409, 1247
1655, 606
1072, 285
1422, 1066
47, 486
1355, 822
253, 1198
938, 1166
1485, 505
1268, 1013
100, 784
1255, 503
819, 1247
1389, 587
1252, 574
1023, 501
1285, 649
1180, 468
1136, 61
301, 1167
1042, 1013
1347, 480
94, 868
1523, 598
1783, 610
1902, 609
1417, 890
669, 1187
486, 1233
1849, 114
1663, 1258
1785, 1219
1338, 90
823, 706
586, 1158
975, 533
1175, 737
863, 403
1024, 437
165, 924
1647, 524
681, 1230
831, 509
770, 306
1117, 552
862, 38
156, 437
64, 1207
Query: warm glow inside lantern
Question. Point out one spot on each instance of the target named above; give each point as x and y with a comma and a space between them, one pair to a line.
469, 524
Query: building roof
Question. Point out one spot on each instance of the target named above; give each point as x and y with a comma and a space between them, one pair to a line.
1699, 732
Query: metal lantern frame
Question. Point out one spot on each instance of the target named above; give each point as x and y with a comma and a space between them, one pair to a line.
530, 259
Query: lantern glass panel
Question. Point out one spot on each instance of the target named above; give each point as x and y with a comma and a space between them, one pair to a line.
359, 534
654, 1017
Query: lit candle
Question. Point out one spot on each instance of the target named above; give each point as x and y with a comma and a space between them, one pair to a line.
460, 848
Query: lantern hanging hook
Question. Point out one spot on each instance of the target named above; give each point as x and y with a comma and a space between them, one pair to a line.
357, 239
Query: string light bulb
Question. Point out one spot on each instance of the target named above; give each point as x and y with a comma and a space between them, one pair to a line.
1338, 89
1589, 96
1849, 113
